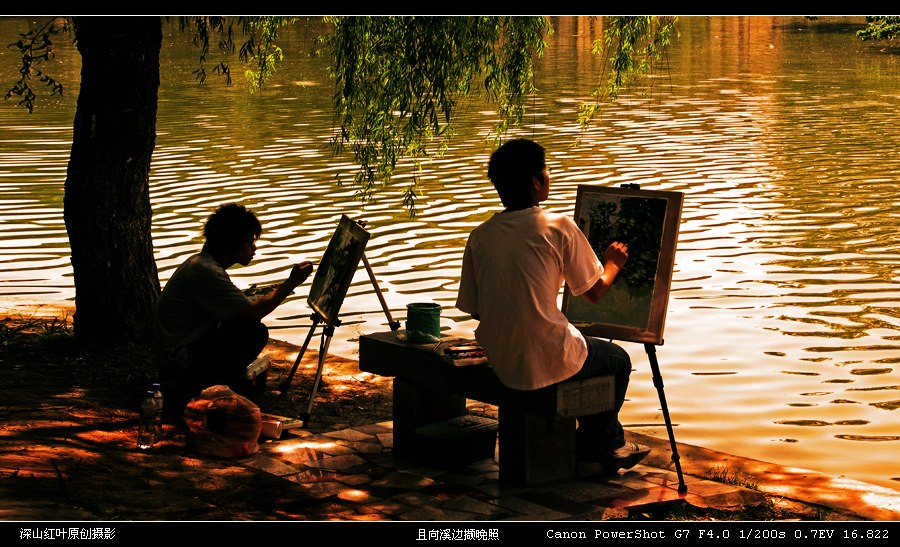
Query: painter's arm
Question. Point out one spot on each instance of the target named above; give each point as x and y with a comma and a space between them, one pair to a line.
264, 305
613, 259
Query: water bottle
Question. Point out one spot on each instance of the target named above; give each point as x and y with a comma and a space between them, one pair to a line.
158, 399
147, 431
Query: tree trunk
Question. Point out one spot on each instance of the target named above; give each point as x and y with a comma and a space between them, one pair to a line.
107, 197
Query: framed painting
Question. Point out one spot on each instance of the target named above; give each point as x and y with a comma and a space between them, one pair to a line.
336, 270
647, 221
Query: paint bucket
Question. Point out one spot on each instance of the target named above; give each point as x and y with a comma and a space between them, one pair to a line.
423, 321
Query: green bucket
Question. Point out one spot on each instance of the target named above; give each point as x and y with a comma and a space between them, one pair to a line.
423, 321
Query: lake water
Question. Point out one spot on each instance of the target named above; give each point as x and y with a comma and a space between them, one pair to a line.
782, 338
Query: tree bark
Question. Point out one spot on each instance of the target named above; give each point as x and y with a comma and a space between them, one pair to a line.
107, 193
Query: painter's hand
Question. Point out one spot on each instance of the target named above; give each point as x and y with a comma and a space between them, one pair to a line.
616, 254
300, 272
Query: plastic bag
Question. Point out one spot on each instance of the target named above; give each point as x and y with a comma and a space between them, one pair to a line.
222, 423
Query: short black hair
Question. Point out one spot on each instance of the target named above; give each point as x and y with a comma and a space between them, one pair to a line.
228, 226
512, 168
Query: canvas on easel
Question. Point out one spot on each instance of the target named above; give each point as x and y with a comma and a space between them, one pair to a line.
647, 221
337, 268
327, 292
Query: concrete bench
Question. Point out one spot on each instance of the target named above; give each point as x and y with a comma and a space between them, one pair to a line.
536, 428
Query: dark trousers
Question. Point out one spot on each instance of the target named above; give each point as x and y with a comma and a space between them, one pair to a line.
220, 357
599, 434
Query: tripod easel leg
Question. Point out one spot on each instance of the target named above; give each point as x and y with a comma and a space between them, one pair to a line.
286, 385
323, 353
387, 312
657, 381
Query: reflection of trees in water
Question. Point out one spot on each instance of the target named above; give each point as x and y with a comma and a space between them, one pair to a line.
637, 222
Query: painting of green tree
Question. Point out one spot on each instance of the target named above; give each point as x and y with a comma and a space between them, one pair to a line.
639, 219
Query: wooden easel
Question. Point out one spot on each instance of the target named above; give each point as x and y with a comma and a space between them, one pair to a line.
327, 333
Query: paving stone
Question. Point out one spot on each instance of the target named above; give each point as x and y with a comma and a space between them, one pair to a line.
403, 480
297, 453
319, 490
518, 505
416, 499
470, 505
270, 465
548, 515
500, 490
313, 475
460, 479
336, 449
386, 439
555, 502
704, 488
726, 499
349, 435
435, 514
363, 447
375, 429
369, 516
582, 491
356, 495
484, 466
666, 478
385, 459
602, 513
391, 507
338, 463
646, 498
355, 479
632, 480
413, 468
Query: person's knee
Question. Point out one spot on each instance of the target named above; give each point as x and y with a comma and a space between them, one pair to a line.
622, 356
622, 359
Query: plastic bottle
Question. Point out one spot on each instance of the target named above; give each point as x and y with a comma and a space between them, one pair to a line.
158, 399
147, 431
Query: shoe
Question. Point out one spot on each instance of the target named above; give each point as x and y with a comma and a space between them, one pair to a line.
626, 457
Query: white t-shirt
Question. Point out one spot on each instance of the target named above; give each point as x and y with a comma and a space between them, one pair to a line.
197, 297
514, 266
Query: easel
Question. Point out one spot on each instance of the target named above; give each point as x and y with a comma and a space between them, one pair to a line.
325, 341
658, 383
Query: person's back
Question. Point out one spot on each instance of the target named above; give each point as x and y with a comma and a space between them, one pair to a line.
530, 342
514, 266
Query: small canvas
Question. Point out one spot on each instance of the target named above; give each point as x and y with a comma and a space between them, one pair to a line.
647, 221
337, 268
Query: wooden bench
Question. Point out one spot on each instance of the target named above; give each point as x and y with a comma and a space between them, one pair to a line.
536, 428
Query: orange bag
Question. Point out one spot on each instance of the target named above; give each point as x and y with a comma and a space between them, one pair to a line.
222, 423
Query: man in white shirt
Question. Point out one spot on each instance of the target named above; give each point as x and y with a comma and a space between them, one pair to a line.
206, 330
514, 266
